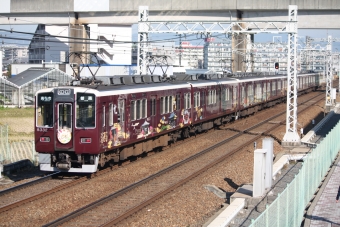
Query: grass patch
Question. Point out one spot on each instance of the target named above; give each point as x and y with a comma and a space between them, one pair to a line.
20, 123
16, 112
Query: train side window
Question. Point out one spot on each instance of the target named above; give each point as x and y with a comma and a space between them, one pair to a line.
274, 87
153, 106
203, 98
144, 113
250, 93
235, 96
170, 104
138, 109
258, 93
121, 111
187, 101
243, 95
166, 104
104, 115
111, 114
209, 97
227, 95
197, 99
279, 83
268, 90
133, 110
178, 101
162, 106
212, 97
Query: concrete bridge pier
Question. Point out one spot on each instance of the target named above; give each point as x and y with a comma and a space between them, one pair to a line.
240, 61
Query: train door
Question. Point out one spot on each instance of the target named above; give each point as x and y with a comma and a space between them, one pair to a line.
218, 98
250, 93
122, 134
64, 126
235, 97
243, 97
228, 98
102, 128
202, 103
223, 98
153, 108
264, 97
274, 88
258, 92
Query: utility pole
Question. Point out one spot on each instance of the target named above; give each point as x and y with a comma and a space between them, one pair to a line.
180, 50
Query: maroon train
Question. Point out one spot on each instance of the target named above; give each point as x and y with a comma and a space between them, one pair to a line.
79, 127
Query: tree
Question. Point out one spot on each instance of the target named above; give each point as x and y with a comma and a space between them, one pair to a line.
9, 71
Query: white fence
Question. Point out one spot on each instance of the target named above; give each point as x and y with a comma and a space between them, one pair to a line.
288, 208
15, 151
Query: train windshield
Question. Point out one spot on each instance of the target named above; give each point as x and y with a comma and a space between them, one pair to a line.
44, 110
65, 115
85, 111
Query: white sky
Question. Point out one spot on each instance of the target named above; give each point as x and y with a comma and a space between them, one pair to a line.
302, 33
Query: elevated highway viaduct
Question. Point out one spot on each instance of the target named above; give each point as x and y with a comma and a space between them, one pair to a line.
316, 14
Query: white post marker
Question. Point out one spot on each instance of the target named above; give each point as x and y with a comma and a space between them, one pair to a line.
259, 172
268, 144
1, 169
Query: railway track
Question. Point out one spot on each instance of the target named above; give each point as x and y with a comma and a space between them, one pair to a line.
119, 205
25, 185
60, 189
47, 189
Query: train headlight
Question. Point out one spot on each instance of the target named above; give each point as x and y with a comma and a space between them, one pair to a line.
85, 140
45, 139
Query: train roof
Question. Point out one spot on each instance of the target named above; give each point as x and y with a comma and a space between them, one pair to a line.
157, 84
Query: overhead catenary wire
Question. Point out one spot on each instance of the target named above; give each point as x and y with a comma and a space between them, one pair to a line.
120, 45
85, 40
58, 25
92, 41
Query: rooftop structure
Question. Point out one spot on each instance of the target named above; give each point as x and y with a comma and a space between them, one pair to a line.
20, 89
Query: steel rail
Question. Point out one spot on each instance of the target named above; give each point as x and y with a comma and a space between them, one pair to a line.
114, 195
21, 186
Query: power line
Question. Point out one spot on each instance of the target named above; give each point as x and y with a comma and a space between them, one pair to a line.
91, 41
37, 23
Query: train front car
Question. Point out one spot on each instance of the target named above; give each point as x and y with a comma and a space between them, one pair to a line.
65, 129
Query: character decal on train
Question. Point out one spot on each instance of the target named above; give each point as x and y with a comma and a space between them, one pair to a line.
144, 130
64, 135
166, 125
172, 120
113, 137
103, 137
199, 115
162, 125
185, 118
117, 136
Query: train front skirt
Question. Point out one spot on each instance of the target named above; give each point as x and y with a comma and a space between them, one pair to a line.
45, 165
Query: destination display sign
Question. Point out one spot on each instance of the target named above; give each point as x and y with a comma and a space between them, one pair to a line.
85, 98
45, 97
